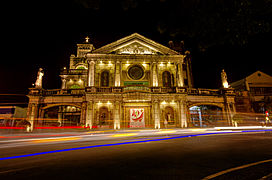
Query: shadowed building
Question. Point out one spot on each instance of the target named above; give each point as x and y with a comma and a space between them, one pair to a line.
254, 93
132, 82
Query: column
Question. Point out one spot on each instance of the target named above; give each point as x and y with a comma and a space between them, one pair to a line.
83, 113
183, 114
189, 77
60, 116
117, 114
118, 74
180, 78
64, 81
91, 73
89, 114
155, 82
157, 114
31, 116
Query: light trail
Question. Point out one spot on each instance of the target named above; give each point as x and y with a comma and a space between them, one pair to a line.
124, 135
128, 142
54, 139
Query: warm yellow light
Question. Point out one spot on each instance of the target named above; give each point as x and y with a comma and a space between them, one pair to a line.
163, 102
226, 85
110, 63
99, 103
54, 139
172, 102
80, 81
161, 64
108, 102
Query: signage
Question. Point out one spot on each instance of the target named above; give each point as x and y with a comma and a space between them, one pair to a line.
137, 118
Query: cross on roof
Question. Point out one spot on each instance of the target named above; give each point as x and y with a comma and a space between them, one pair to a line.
87, 39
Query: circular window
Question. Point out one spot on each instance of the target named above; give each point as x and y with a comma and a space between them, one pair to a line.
136, 72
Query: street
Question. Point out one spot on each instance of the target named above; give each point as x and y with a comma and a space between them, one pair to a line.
168, 154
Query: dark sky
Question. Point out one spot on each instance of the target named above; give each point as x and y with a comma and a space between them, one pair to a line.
234, 35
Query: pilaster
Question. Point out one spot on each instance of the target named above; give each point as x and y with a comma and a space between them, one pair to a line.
117, 114
91, 73
157, 114
155, 82
180, 78
89, 114
118, 71
183, 114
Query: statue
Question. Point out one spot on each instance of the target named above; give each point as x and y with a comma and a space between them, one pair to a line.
224, 79
38, 83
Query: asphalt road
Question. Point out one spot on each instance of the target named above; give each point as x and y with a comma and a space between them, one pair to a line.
196, 157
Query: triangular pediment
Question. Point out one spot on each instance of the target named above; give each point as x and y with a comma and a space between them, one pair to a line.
259, 77
135, 44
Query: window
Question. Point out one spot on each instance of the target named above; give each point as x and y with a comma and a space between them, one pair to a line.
104, 80
166, 79
136, 72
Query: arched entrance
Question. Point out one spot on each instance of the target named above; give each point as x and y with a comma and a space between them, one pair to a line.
168, 117
103, 118
206, 116
61, 115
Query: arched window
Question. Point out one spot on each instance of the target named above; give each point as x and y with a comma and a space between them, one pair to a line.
166, 79
104, 80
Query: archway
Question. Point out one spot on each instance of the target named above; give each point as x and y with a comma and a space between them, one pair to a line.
61, 115
103, 119
169, 118
206, 116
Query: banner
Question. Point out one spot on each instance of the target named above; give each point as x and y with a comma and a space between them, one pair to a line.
137, 118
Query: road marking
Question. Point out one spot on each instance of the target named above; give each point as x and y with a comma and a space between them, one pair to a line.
54, 139
235, 169
266, 177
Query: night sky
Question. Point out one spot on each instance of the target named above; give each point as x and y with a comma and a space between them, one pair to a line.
234, 35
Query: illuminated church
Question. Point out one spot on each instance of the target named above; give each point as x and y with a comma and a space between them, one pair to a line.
133, 82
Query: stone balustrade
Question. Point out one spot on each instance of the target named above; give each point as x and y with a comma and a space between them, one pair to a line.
178, 90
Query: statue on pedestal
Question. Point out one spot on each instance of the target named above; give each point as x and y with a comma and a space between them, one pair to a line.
38, 83
225, 83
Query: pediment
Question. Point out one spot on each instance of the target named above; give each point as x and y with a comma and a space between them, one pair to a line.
259, 77
135, 44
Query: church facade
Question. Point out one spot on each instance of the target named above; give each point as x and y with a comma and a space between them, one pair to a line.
133, 82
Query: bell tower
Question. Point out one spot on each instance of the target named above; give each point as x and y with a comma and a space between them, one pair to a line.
84, 48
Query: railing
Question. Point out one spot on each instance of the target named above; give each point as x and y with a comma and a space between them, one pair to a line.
104, 90
189, 91
136, 88
53, 92
74, 71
